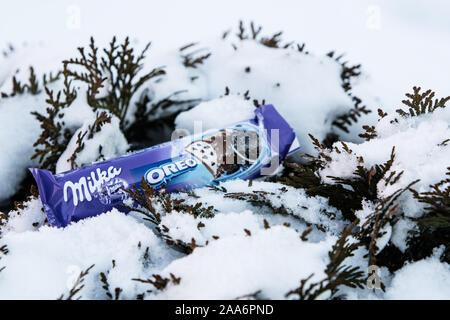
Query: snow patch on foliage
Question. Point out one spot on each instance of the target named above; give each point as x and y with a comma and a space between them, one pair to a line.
18, 131
425, 279
301, 208
42, 264
215, 114
185, 226
273, 261
400, 233
111, 139
30, 218
288, 79
419, 153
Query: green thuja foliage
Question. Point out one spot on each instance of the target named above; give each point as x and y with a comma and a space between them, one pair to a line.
346, 194
193, 59
370, 132
159, 282
77, 286
246, 95
106, 287
152, 203
269, 200
434, 226
118, 68
54, 136
417, 102
20, 206
8, 50
372, 229
3, 252
3, 219
348, 72
51, 78
253, 32
345, 120
31, 87
437, 201
146, 198
365, 182
421, 103
115, 71
101, 119
142, 112
337, 273
305, 176
151, 126
250, 296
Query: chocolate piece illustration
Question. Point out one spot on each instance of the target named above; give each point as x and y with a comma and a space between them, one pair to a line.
226, 150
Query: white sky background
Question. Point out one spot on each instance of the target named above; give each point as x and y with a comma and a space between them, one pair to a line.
400, 43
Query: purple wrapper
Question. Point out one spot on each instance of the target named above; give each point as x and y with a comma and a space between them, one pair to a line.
246, 150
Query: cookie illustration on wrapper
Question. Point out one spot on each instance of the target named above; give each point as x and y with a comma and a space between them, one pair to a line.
226, 151
205, 152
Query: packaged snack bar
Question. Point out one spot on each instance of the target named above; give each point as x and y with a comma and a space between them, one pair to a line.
245, 150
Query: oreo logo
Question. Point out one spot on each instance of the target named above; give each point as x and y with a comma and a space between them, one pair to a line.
158, 175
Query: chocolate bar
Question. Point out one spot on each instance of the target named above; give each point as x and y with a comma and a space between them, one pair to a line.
245, 150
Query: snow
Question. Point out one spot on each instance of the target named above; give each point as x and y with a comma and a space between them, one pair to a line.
418, 153
18, 130
112, 141
398, 44
295, 202
400, 233
42, 264
204, 116
343, 165
414, 30
363, 215
53, 255
29, 219
273, 261
291, 83
425, 279
185, 226
228, 263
